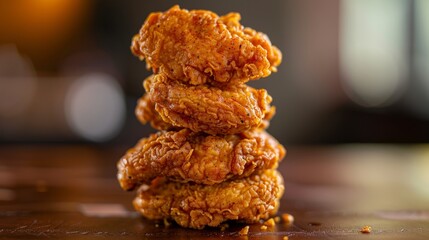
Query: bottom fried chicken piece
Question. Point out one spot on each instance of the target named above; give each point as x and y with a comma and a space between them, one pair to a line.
187, 156
196, 206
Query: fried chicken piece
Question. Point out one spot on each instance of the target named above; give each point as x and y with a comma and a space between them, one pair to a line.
227, 110
196, 206
200, 47
232, 21
186, 156
146, 113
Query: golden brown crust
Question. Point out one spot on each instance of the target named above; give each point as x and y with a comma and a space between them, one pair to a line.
146, 113
232, 21
196, 206
200, 47
227, 110
212, 161
187, 156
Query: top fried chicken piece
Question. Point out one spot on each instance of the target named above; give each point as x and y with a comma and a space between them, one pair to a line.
200, 47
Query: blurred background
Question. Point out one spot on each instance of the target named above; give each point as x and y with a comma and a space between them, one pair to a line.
353, 70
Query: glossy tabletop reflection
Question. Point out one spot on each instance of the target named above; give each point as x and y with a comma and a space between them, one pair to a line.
71, 192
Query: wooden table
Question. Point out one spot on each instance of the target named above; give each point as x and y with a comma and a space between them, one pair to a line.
70, 192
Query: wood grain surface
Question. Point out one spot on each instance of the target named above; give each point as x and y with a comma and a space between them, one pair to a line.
71, 192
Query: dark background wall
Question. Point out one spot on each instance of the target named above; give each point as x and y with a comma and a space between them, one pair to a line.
348, 74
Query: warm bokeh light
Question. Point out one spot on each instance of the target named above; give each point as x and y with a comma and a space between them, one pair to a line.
373, 50
95, 107
41, 27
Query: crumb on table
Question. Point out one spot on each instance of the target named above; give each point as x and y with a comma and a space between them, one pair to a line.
166, 222
277, 219
263, 227
224, 226
287, 218
270, 223
366, 229
244, 231
285, 237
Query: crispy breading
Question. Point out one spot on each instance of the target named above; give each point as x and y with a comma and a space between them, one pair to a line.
212, 161
200, 47
196, 206
227, 110
186, 156
146, 113
232, 20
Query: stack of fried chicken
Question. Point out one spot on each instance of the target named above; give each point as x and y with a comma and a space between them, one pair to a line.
212, 160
